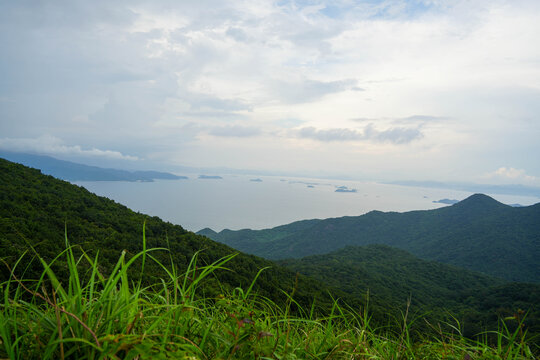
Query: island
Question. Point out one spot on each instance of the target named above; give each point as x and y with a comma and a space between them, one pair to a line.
446, 201
344, 189
210, 177
71, 171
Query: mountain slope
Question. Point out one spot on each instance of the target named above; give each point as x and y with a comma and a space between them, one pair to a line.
245, 237
35, 210
71, 171
477, 233
393, 276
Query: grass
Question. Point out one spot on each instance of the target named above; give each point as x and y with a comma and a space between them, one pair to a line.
94, 316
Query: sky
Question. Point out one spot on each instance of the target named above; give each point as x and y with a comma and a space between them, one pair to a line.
383, 90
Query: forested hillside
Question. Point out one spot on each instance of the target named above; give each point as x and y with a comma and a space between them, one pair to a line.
478, 233
393, 276
36, 210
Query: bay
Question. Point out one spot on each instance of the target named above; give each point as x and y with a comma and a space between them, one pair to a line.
257, 202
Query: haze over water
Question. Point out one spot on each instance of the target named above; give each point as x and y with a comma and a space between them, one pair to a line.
236, 202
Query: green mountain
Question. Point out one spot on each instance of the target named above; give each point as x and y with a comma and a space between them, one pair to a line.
36, 210
71, 171
478, 233
393, 276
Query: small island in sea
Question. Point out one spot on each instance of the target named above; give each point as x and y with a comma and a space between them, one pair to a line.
446, 201
255, 180
344, 189
212, 177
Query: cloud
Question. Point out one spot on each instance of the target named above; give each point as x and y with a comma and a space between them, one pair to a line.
357, 88
366, 119
413, 119
329, 135
510, 173
199, 101
223, 115
395, 135
464, 74
307, 90
234, 131
237, 34
54, 146
289, 122
421, 118
226, 131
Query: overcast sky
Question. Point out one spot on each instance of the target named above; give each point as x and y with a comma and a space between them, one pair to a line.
383, 90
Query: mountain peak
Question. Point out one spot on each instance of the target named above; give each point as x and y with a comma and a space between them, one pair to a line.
479, 201
207, 232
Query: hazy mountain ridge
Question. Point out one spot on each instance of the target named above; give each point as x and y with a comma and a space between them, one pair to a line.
478, 233
71, 171
261, 236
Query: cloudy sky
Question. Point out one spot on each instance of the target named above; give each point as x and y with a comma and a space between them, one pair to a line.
383, 90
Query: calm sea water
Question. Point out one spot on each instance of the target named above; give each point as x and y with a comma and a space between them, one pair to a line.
236, 202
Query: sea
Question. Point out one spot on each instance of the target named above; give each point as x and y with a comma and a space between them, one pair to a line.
258, 202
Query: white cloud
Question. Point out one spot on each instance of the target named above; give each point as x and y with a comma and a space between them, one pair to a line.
512, 175
395, 135
305, 90
329, 134
234, 131
133, 75
54, 146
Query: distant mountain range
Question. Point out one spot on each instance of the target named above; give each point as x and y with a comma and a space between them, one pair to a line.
70, 171
478, 233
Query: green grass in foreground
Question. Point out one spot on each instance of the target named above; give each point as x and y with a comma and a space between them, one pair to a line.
93, 316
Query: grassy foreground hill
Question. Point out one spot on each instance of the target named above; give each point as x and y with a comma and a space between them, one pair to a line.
111, 316
478, 233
